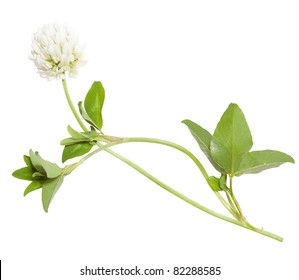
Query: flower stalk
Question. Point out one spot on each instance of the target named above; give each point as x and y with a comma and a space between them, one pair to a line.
72, 107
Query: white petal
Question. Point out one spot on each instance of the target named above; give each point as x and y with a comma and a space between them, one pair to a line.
56, 51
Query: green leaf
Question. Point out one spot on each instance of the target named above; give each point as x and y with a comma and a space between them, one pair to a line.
37, 175
70, 141
231, 139
93, 103
49, 190
93, 133
24, 173
48, 168
36, 161
84, 114
222, 182
35, 185
28, 161
258, 161
203, 138
214, 183
75, 150
76, 135
217, 184
79, 137
52, 169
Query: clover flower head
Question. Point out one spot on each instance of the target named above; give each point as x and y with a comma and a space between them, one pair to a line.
56, 51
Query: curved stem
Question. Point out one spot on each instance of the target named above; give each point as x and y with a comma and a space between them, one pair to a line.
69, 100
169, 144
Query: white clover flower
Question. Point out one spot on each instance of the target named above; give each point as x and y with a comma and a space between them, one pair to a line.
55, 52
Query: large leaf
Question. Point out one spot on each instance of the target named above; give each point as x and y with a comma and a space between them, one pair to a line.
258, 161
93, 104
49, 190
231, 139
203, 138
75, 150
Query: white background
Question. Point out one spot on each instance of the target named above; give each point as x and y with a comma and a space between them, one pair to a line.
160, 62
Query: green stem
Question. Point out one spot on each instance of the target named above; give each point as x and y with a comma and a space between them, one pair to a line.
69, 168
227, 206
235, 201
172, 145
70, 102
232, 205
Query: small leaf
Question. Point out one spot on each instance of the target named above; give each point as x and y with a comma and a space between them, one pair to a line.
258, 161
36, 161
222, 182
37, 175
214, 183
231, 139
93, 103
35, 185
84, 114
70, 141
93, 133
28, 161
24, 173
49, 190
45, 167
76, 135
75, 150
203, 138
52, 170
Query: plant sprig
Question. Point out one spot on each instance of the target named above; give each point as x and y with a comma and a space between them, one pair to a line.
228, 149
